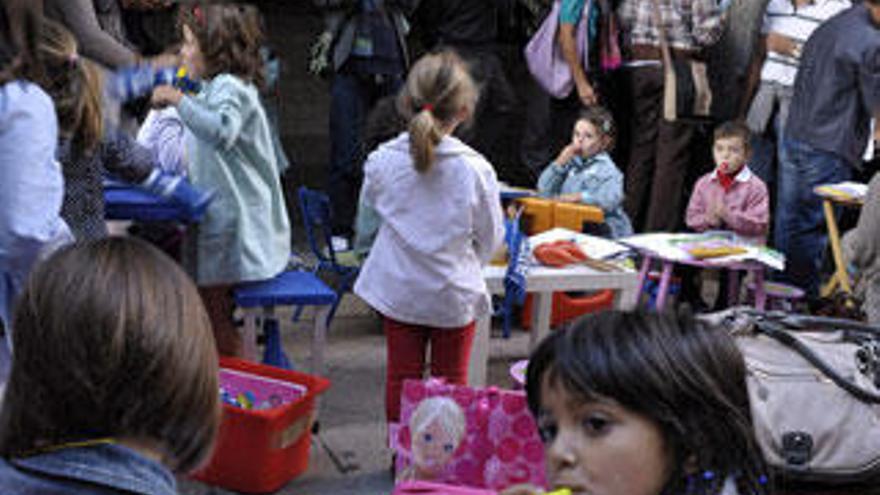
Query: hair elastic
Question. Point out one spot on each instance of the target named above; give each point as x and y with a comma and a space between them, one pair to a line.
428, 107
72, 59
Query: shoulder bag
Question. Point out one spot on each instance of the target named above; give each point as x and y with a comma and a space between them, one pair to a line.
814, 388
544, 55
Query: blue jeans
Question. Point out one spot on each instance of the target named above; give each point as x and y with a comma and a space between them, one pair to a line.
800, 231
352, 97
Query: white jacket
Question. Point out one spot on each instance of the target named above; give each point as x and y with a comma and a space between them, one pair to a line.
438, 229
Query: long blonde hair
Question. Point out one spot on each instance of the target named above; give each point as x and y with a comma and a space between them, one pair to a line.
437, 90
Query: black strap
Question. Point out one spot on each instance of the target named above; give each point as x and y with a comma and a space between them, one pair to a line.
787, 338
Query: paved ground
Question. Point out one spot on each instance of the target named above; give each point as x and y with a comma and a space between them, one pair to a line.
352, 411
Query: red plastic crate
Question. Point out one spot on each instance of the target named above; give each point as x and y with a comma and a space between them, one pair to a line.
258, 451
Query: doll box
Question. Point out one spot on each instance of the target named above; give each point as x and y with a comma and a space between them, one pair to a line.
260, 450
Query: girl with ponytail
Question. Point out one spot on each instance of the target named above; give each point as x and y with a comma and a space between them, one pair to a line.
440, 220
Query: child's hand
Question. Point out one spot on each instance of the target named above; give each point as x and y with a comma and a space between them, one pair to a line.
567, 153
569, 198
165, 95
716, 213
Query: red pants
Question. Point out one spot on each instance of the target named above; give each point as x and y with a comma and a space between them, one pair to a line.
450, 352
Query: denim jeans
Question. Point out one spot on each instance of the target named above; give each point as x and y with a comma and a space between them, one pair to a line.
800, 231
352, 97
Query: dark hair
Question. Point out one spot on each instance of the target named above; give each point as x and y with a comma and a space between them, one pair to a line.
602, 121
733, 129
75, 86
111, 340
687, 378
230, 36
19, 31
437, 89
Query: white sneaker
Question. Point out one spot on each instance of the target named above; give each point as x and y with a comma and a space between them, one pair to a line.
339, 243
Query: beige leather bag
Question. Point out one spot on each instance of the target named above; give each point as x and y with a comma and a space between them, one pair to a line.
813, 386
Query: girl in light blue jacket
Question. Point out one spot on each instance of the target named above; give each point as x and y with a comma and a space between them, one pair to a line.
584, 172
245, 234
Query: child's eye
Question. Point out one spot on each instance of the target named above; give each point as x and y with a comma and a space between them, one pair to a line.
595, 425
547, 431
428, 437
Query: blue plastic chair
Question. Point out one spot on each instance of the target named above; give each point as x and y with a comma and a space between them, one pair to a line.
317, 218
290, 288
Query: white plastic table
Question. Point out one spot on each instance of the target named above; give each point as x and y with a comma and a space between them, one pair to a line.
542, 282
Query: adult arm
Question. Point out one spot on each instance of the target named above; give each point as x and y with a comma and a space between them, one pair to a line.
80, 18
568, 45
753, 76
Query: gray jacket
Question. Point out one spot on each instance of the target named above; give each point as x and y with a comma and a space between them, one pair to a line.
340, 19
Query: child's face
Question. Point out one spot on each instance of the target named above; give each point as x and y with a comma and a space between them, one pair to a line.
600, 448
432, 447
588, 138
729, 154
191, 53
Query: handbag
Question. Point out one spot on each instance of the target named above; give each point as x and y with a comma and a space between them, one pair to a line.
814, 389
499, 447
544, 56
687, 95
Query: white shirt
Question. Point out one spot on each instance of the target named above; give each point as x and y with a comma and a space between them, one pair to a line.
438, 229
781, 17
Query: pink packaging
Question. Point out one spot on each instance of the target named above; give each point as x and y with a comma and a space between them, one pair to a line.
498, 447
428, 488
265, 392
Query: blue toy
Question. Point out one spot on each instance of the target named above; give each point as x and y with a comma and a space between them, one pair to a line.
133, 82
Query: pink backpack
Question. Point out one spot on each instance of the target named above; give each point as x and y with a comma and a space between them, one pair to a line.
500, 445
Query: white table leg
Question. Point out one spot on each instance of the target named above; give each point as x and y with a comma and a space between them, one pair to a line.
627, 298
249, 334
479, 353
319, 340
542, 309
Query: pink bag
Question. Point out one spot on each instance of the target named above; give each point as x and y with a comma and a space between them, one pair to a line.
428, 488
498, 443
544, 55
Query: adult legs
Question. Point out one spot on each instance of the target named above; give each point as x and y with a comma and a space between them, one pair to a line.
801, 231
673, 157
348, 109
645, 90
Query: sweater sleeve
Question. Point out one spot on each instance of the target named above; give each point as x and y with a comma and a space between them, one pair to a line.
218, 118
753, 217
697, 213
551, 179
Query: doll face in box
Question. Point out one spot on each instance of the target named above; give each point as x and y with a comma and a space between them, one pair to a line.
433, 447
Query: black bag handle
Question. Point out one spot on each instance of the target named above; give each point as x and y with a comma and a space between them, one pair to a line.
786, 338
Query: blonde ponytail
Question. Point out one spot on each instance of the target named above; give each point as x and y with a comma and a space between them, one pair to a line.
437, 92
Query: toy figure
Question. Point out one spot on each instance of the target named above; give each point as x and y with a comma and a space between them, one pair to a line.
437, 426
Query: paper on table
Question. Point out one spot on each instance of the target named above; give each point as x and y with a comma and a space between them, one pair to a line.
675, 247
844, 190
595, 247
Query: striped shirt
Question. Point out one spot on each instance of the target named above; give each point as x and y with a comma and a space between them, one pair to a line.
797, 23
689, 24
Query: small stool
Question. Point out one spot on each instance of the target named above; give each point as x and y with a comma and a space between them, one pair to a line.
290, 288
652, 285
779, 296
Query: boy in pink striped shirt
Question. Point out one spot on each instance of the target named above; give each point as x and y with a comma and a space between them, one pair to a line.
730, 197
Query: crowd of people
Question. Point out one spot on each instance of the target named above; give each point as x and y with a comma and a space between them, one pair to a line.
411, 181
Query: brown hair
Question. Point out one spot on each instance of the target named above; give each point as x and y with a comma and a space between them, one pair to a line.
602, 121
230, 36
733, 129
111, 340
437, 89
687, 378
19, 31
74, 84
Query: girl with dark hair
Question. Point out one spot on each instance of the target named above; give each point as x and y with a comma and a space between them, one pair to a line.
440, 221
644, 404
115, 378
245, 234
31, 185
